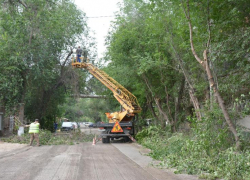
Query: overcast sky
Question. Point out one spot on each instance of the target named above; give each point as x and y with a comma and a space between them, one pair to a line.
100, 25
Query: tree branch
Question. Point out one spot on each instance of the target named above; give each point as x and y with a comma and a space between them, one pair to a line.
21, 2
208, 26
187, 14
70, 53
90, 96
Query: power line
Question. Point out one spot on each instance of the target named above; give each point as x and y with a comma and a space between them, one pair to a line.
100, 16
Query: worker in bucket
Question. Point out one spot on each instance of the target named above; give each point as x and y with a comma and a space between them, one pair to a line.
34, 132
85, 54
79, 53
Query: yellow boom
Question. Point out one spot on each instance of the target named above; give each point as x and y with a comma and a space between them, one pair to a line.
127, 100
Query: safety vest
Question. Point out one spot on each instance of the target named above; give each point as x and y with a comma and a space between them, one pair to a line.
34, 128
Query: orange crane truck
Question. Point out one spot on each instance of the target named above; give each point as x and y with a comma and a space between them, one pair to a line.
121, 124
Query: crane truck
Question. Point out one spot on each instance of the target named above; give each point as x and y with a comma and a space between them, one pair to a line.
121, 123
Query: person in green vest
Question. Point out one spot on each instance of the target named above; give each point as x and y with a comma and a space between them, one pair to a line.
34, 131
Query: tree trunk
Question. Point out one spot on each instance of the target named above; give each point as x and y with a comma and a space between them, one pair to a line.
205, 66
178, 104
158, 104
192, 95
21, 112
164, 115
150, 105
195, 103
220, 101
172, 120
22, 103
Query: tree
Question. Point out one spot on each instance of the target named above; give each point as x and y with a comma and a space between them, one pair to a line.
139, 51
37, 44
149, 45
207, 68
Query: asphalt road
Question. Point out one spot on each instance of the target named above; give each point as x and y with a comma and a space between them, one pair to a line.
117, 161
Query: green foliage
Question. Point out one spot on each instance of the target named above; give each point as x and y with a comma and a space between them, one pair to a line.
148, 132
87, 109
35, 42
48, 138
241, 105
149, 40
139, 50
192, 156
207, 150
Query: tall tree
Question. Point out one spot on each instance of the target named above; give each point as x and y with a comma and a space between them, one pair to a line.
38, 39
207, 68
150, 42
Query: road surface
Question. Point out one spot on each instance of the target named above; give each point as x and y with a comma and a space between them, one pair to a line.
116, 161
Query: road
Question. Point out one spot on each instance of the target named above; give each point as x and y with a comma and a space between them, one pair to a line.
123, 161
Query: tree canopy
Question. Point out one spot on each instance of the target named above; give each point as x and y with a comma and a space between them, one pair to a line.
159, 42
37, 39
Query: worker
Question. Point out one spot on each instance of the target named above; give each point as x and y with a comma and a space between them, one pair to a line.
85, 54
34, 132
55, 126
79, 53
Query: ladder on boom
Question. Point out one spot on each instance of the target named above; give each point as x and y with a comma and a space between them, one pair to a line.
127, 100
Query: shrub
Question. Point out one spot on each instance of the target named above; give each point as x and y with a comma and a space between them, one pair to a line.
48, 138
207, 151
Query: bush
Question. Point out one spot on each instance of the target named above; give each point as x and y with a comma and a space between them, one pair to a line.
190, 155
207, 151
48, 138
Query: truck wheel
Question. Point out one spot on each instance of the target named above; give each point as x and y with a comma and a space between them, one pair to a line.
108, 140
126, 139
104, 140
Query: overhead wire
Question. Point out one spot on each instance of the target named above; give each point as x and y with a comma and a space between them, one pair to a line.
100, 16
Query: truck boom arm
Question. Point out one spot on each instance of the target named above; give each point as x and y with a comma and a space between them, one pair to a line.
127, 100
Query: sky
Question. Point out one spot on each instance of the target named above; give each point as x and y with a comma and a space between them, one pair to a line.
94, 9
